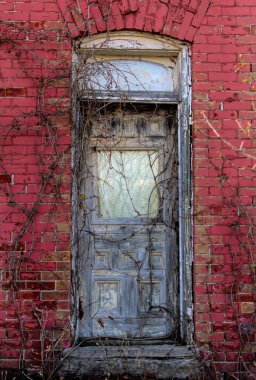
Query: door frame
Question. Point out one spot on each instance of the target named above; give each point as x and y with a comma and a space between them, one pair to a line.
179, 53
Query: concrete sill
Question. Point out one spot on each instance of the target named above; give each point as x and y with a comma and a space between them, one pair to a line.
167, 361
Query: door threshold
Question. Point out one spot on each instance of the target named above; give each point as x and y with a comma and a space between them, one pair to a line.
126, 341
166, 361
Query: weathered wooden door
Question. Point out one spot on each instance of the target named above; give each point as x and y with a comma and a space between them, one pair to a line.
130, 224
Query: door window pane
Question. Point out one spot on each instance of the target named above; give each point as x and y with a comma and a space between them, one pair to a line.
127, 184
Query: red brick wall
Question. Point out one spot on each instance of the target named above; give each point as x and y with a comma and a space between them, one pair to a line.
35, 62
223, 71
35, 54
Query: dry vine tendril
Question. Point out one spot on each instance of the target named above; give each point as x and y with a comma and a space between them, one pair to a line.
102, 136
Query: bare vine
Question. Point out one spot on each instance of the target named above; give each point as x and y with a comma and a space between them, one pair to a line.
103, 161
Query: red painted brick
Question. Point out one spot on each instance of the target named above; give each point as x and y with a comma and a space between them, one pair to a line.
200, 13
243, 30
237, 105
248, 3
185, 25
97, 16
224, 77
125, 7
159, 21
118, 20
246, 20
191, 32
5, 178
236, 11
223, 115
223, 55
227, 20
33, 6
226, 3
212, 30
206, 48
208, 67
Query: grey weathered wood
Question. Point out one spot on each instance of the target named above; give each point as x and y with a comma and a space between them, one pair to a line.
125, 292
135, 97
185, 196
163, 361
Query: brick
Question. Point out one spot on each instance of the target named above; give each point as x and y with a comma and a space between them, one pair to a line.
191, 32
152, 7
236, 11
200, 13
225, 3
246, 20
134, 5
207, 67
191, 5
62, 286
54, 296
5, 178
117, 17
7, 6
249, 39
248, 3
159, 21
223, 115
63, 227
206, 48
212, 30
235, 86
247, 114
57, 256
236, 30
185, 25
39, 16
140, 16
222, 58
228, 20
218, 39
239, 105
226, 77
247, 307
129, 20
125, 7
33, 6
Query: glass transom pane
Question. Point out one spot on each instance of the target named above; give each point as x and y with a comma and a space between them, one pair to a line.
126, 184
129, 75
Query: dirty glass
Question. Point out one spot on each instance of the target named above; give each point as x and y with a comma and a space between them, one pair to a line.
127, 184
128, 75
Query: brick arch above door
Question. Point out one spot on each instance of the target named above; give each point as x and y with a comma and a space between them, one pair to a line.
174, 18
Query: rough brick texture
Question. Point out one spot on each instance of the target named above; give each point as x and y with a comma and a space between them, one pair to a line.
223, 70
179, 19
35, 60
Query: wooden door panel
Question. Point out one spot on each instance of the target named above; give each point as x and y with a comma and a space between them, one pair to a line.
132, 327
132, 254
129, 282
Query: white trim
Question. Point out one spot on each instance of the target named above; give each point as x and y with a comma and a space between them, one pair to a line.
129, 42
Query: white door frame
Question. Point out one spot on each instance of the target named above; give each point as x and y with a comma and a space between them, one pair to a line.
156, 48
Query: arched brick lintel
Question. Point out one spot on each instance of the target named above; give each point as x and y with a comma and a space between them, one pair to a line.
179, 19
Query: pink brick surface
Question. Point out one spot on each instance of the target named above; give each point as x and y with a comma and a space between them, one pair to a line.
37, 47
